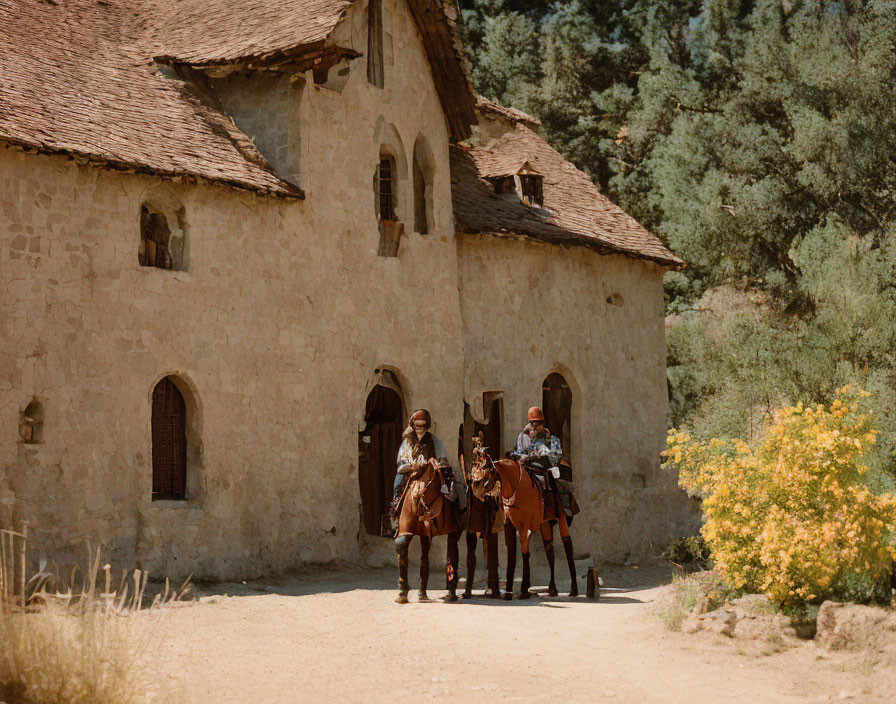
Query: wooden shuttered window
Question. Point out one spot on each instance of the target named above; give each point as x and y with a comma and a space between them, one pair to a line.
375, 68
169, 442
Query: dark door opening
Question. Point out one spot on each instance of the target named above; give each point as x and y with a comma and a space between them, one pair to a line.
492, 431
556, 402
377, 454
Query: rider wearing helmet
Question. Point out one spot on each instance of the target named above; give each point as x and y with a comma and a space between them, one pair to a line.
536, 447
418, 447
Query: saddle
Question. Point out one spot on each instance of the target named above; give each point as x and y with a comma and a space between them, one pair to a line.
558, 491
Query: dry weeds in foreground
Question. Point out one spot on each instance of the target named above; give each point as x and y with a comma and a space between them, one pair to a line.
77, 643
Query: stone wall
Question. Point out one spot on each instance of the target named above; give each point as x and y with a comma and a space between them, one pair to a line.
267, 108
530, 309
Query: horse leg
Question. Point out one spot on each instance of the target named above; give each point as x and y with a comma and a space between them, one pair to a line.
490, 543
547, 535
510, 541
471, 563
570, 562
425, 544
401, 547
451, 574
524, 548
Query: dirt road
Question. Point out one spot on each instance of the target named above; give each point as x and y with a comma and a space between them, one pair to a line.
339, 636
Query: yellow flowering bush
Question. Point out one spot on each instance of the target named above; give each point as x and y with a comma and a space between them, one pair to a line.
792, 517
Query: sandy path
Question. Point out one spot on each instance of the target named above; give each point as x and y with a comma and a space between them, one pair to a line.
339, 636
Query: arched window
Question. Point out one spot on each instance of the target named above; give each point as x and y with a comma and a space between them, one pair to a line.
375, 74
31, 423
385, 188
162, 237
378, 447
169, 442
556, 401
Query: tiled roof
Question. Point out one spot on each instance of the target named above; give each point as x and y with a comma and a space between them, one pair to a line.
73, 80
574, 212
203, 32
493, 109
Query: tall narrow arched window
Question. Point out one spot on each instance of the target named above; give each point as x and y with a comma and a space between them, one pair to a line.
375, 73
169, 442
385, 188
424, 169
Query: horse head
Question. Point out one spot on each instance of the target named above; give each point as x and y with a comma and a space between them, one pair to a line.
484, 479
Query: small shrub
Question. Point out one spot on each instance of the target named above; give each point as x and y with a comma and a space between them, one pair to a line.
709, 589
793, 517
689, 550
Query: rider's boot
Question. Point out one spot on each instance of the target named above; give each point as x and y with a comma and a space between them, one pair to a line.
571, 563
524, 587
549, 552
402, 575
471, 564
491, 566
451, 575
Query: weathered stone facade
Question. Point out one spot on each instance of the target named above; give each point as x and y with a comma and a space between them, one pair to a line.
276, 330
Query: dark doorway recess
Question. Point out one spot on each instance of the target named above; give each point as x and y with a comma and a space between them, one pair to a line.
492, 430
377, 456
169, 442
556, 402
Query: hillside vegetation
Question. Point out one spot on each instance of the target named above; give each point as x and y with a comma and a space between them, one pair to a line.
758, 140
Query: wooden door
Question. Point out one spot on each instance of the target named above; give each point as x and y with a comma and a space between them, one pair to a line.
377, 457
169, 442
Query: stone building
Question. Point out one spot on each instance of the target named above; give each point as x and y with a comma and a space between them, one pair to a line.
241, 239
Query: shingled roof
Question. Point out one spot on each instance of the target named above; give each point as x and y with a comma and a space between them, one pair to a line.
78, 77
203, 33
575, 212
74, 81
493, 109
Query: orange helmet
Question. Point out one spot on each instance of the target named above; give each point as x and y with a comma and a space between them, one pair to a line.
421, 414
535, 414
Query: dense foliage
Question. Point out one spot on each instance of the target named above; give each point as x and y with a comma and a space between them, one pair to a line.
757, 138
793, 517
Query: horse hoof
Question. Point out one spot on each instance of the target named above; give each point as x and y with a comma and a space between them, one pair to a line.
467, 595
552, 591
492, 594
508, 596
423, 597
450, 598
525, 595
401, 599
574, 591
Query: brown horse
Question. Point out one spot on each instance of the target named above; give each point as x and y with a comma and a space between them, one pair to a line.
426, 511
485, 519
528, 512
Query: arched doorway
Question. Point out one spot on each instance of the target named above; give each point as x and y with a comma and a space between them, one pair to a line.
556, 402
378, 447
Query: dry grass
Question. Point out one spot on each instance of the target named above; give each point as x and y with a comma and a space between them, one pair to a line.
81, 644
